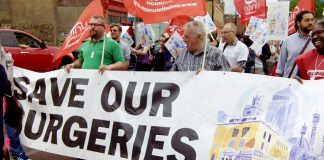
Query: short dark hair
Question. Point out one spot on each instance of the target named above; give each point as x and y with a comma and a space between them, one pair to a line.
120, 29
247, 41
299, 17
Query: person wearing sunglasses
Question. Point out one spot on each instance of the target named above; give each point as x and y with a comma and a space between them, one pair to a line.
100, 52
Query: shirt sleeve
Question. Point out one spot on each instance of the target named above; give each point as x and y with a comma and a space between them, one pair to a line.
80, 56
126, 50
282, 58
127, 53
301, 69
243, 54
117, 53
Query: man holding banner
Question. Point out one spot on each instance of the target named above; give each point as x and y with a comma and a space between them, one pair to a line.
295, 44
99, 52
191, 58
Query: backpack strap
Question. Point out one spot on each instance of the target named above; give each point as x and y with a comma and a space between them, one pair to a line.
226, 44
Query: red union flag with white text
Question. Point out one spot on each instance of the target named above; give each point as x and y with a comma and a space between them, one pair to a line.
248, 8
302, 5
177, 24
156, 11
80, 30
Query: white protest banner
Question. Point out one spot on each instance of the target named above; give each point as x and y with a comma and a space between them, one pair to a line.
175, 43
127, 39
170, 115
207, 21
278, 14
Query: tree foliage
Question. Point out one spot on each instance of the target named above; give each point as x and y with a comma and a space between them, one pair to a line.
319, 7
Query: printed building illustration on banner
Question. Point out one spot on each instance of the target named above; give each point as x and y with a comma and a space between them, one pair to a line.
249, 137
282, 112
303, 148
268, 132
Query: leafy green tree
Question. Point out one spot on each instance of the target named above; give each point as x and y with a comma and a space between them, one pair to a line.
319, 7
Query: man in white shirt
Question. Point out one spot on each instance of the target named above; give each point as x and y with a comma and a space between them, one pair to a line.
234, 50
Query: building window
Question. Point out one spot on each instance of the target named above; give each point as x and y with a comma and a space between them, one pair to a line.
242, 143
231, 143
269, 138
235, 132
264, 135
123, 17
262, 145
114, 19
245, 131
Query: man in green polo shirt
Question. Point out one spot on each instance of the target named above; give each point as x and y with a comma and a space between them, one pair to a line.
90, 56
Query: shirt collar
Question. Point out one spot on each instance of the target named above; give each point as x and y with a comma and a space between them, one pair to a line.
301, 37
235, 42
100, 40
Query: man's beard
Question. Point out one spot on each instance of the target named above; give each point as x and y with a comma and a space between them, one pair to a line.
93, 34
306, 29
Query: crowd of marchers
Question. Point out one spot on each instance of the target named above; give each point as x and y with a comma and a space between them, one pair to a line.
300, 56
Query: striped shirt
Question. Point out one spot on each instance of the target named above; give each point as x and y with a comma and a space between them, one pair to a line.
215, 61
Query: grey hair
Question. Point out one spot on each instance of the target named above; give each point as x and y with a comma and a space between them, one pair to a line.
199, 27
232, 26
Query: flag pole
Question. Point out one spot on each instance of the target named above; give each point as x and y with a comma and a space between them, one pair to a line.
206, 43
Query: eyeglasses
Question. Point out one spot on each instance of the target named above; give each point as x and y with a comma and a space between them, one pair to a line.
317, 32
96, 24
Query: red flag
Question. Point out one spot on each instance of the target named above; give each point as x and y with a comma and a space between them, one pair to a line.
302, 5
248, 8
81, 30
156, 11
177, 24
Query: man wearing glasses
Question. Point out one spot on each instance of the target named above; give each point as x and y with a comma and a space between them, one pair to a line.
100, 52
115, 32
234, 50
311, 64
